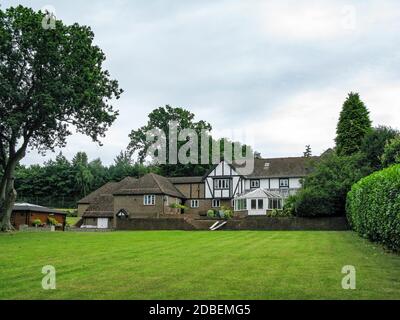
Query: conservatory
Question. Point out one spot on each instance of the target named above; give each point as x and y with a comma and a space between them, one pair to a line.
257, 202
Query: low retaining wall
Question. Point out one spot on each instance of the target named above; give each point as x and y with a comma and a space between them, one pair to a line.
289, 223
154, 224
248, 223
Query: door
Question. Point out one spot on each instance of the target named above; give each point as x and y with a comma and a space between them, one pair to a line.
102, 223
257, 207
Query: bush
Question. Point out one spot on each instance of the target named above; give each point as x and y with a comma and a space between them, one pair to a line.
228, 213
289, 205
178, 206
373, 207
313, 202
211, 213
391, 154
51, 221
37, 222
278, 213
325, 189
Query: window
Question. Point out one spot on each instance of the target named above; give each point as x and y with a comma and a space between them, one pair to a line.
254, 184
194, 203
240, 204
166, 200
275, 204
216, 203
257, 204
221, 184
284, 183
149, 200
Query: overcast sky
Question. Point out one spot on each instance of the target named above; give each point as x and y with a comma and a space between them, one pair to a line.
271, 73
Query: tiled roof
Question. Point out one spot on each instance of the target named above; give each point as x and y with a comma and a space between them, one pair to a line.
150, 184
295, 167
184, 180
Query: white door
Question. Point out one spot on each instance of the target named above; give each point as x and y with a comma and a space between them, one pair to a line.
256, 207
102, 223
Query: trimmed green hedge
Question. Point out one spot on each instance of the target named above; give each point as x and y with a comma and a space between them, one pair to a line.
373, 207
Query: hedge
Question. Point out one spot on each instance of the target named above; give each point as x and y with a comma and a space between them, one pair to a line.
373, 207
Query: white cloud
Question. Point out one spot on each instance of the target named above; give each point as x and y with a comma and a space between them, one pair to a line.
280, 69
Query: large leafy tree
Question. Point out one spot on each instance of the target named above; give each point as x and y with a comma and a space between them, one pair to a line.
391, 153
354, 124
51, 80
374, 143
160, 119
83, 176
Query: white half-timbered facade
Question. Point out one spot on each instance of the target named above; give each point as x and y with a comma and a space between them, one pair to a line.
223, 182
280, 175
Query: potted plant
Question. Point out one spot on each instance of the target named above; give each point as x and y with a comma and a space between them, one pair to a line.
36, 223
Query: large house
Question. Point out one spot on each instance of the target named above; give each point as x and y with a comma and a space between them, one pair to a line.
152, 196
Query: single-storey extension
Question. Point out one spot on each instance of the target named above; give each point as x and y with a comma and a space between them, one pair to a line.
28, 214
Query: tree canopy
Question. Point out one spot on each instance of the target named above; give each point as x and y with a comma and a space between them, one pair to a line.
354, 123
52, 81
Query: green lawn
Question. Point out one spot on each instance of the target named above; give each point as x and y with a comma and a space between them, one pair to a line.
196, 265
72, 220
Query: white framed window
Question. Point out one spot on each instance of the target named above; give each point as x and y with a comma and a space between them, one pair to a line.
254, 184
149, 200
257, 204
222, 184
194, 203
275, 204
240, 205
216, 203
284, 183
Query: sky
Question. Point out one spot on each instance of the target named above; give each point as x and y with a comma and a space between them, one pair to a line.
273, 74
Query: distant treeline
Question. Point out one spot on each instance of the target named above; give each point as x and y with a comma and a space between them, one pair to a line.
60, 182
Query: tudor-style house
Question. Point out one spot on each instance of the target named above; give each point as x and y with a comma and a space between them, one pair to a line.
152, 196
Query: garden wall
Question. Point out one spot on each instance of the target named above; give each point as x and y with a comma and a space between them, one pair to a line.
153, 224
249, 223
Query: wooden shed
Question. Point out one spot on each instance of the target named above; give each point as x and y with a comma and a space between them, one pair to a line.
26, 214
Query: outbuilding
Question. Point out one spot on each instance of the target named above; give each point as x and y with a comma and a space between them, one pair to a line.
27, 214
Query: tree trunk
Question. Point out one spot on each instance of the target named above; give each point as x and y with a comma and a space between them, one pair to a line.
8, 195
6, 207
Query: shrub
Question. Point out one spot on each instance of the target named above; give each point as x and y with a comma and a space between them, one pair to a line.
51, 221
325, 189
278, 213
313, 202
37, 222
289, 205
178, 206
373, 207
228, 213
211, 213
391, 154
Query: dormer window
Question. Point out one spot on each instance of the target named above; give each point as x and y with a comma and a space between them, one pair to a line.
254, 184
283, 183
